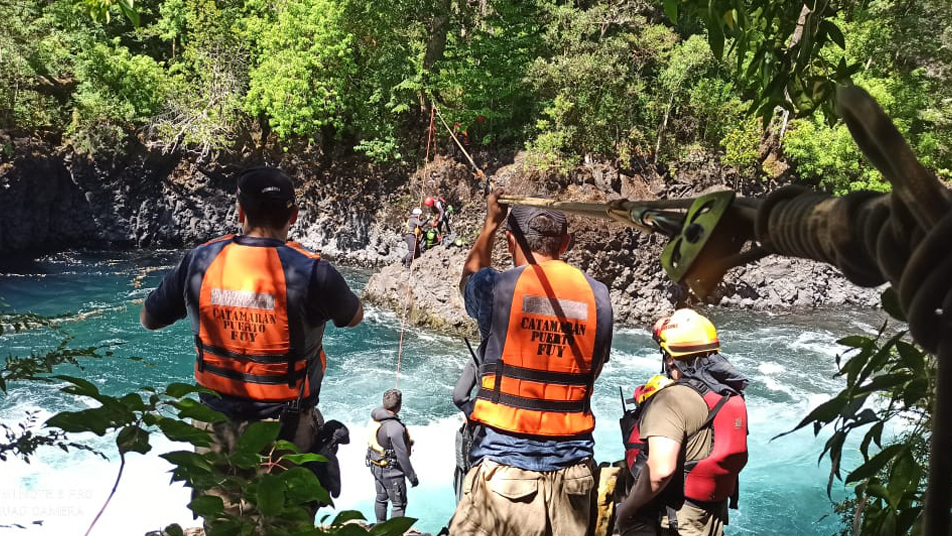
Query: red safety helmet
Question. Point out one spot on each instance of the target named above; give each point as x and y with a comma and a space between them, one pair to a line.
428, 201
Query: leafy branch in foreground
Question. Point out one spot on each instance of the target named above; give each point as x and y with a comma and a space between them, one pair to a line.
271, 477
266, 476
890, 387
23, 439
785, 54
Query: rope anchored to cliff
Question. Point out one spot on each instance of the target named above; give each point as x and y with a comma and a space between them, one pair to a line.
408, 300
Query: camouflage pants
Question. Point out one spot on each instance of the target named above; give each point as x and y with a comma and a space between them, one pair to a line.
224, 438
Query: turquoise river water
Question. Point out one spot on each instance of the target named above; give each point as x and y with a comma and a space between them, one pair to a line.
789, 358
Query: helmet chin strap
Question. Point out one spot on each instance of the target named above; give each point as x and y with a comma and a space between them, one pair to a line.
665, 369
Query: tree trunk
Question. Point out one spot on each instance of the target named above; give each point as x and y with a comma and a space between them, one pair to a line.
439, 27
797, 35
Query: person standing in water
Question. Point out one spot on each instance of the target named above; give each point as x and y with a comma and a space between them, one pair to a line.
388, 456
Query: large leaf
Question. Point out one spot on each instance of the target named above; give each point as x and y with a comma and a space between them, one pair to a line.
132, 402
393, 527
188, 459
911, 357
178, 389
193, 409
833, 32
270, 495
182, 431
715, 36
345, 516
207, 506
889, 297
257, 436
823, 413
79, 386
300, 459
875, 464
303, 486
133, 439
173, 530
671, 10
95, 420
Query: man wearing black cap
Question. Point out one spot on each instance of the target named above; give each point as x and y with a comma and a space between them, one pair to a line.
546, 331
257, 305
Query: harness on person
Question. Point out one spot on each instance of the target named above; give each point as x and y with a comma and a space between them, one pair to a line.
710, 479
382, 456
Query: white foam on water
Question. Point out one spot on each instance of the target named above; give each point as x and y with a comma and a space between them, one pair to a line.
66, 496
433, 457
769, 367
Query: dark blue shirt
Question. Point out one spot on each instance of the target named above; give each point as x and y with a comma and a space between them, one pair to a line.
516, 450
319, 288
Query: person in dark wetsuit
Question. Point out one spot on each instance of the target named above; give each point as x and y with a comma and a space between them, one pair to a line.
388, 456
412, 234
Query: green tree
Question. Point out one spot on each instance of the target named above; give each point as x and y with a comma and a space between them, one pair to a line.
302, 67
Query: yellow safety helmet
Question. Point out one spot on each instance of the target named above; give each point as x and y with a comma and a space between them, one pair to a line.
686, 334
651, 387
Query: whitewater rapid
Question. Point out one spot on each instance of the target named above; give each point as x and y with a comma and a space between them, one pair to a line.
790, 359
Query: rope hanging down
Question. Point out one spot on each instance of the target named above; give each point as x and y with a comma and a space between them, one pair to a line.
408, 300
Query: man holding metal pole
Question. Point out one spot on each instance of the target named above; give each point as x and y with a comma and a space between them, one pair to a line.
546, 331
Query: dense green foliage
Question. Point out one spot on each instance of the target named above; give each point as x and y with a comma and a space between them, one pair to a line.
620, 80
889, 395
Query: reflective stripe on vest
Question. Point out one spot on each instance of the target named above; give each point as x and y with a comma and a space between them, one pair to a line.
538, 373
243, 343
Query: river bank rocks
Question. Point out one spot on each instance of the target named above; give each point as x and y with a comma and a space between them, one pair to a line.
625, 260
353, 212
426, 293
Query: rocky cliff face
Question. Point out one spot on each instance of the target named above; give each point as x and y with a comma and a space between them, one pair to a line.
622, 258
354, 212
54, 198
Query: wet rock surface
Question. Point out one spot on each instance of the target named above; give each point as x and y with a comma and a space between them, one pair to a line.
426, 293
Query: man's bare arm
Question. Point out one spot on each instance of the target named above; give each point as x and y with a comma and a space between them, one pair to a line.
481, 255
662, 463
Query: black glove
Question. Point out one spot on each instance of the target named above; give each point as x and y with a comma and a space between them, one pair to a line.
414, 481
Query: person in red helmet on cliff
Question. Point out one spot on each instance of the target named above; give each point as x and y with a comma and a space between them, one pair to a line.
441, 214
690, 442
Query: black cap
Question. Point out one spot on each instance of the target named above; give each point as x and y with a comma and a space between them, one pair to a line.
521, 218
262, 188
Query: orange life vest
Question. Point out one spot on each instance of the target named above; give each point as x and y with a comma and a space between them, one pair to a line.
538, 369
244, 340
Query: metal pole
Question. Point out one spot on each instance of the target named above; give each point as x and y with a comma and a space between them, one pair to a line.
939, 493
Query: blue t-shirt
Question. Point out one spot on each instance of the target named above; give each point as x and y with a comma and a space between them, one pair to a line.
516, 450
324, 296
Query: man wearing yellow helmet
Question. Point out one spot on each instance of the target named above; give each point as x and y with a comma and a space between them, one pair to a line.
694, 434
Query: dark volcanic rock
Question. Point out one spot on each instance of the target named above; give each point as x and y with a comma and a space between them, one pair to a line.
354, 212
624, 259
428, 291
